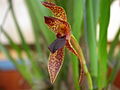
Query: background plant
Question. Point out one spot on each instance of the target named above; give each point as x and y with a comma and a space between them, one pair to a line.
83, 16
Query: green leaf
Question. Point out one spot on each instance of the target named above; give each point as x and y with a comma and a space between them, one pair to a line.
90, 28
102, 45
34, 64
77, 18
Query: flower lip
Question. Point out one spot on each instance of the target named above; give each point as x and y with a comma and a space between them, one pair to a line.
57, 44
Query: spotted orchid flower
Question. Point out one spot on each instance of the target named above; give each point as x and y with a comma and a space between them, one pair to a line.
59, 25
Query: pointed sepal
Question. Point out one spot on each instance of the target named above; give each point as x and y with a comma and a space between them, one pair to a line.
55, 64
58, 11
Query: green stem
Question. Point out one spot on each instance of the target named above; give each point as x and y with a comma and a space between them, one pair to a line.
90, 24
82, 60
75, 68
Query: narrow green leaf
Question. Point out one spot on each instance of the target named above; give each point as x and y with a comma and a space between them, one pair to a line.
102, 46
75, 65
37, 73
24, 44
91, 38
76, 23
77, 18
35, 25
96, 10
96, 7
12, 43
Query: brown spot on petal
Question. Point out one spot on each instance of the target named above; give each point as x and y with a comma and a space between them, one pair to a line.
57, 10
55, 64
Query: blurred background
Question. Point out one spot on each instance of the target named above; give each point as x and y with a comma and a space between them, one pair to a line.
24, 41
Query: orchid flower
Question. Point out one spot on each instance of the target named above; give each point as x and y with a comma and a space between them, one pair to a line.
59, 25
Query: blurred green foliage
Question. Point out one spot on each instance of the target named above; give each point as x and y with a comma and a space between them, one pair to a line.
83, 15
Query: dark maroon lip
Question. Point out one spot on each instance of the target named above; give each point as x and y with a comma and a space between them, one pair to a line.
57, 44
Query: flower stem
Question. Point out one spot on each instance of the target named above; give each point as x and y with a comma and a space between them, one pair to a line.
82, 60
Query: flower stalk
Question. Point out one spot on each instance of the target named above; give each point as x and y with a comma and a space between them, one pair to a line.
81, 58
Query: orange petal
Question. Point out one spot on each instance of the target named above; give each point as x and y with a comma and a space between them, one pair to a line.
70, 47
57, 25
58, 11
55, 64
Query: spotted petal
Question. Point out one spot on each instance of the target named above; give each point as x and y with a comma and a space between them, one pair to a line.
57, 10
58, 26
55, 64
